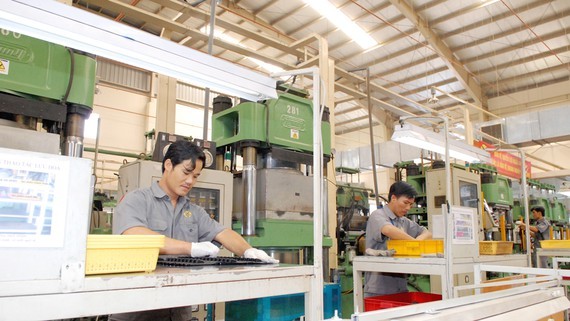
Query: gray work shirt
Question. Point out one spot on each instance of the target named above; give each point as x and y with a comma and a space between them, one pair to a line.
150, 207
378, 283
543, 227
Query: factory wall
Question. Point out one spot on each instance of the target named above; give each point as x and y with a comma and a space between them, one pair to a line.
123, 121
360, 138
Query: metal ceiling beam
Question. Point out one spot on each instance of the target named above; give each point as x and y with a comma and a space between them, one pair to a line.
510, 64
394, 21
287, 14
384, 91
231, 6
360, 95
349, 110
264, 7
487, 56
466, 80
535, 73
494, 53
461, 30
163, 22
198, 14
516, 46
308, 24
355, 128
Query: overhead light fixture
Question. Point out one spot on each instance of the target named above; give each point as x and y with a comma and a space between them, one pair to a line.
419, 137
433, 99
65, 25
344, 23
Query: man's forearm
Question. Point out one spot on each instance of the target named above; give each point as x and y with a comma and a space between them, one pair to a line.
426, 235
171, 246
395, 233
232, 241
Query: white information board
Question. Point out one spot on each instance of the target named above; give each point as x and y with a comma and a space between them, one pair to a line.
33, 203
464, 230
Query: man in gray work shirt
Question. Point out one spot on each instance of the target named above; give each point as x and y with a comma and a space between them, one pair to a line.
388, 223
540, 231
164, 208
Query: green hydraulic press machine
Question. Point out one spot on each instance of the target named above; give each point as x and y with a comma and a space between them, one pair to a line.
48, 82
498, 221
273, 189
273, 200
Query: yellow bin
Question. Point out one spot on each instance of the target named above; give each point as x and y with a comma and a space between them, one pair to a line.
122, 253
415, 247
495, 247
555, 244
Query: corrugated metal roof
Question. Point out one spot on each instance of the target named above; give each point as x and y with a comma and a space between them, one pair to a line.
472, 49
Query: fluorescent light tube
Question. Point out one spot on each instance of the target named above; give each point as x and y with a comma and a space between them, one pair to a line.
419, 137
339, 19
68, 26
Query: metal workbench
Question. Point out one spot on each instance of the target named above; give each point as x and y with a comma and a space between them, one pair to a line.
551, 252
163, 288
425, 266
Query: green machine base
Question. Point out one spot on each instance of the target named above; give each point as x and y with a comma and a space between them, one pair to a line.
282, 233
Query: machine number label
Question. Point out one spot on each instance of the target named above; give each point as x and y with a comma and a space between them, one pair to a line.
293, 110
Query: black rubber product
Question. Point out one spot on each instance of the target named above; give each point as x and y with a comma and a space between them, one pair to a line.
183, 261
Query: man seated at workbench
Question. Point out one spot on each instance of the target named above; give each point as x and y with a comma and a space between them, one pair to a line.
390, 222
164, 208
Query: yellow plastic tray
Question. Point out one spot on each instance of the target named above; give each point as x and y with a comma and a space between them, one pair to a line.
122, 253
495, 247
415, 247
555, 244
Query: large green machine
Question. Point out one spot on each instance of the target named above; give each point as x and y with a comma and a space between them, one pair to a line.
543, 194
273, 200
47, 83
498, 220
285, 122
273, 186
352, 206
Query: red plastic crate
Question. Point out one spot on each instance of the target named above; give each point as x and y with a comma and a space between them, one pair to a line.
398, 300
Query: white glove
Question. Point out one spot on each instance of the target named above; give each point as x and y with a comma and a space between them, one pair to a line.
254, 253
200, 249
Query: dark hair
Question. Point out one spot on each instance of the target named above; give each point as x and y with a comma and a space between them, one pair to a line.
402, 188
539, 209
182, 150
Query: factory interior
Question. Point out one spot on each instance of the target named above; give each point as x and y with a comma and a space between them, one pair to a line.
308, 112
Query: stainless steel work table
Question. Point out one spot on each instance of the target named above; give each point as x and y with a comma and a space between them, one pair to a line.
163, 288
422, 265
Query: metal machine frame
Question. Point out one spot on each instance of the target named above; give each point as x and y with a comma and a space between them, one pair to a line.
542, 296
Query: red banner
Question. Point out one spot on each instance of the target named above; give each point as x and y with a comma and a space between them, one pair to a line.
506, 163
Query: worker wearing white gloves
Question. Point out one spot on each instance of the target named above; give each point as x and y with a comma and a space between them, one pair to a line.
164, 208
254, 253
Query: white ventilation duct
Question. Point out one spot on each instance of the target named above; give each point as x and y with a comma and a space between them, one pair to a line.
540, 127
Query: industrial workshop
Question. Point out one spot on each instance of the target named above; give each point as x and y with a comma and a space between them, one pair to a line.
284, 160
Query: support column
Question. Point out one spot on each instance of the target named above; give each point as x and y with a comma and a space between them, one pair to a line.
166, 104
